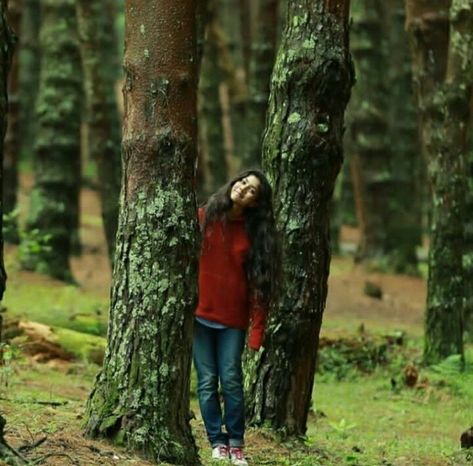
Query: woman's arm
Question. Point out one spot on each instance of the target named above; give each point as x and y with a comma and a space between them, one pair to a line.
258, 314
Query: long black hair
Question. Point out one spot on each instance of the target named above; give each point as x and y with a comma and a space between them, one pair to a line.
261, 264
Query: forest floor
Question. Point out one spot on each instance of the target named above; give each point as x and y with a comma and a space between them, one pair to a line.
363, 412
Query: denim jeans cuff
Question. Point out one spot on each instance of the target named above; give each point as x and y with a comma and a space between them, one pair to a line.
218, 443
236, 442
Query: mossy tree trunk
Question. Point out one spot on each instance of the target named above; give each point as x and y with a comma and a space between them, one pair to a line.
302, 154
211, 116
29, 73
12, 138
438, 46
100, 67
6, 52
263, 49
403, 225
54, 205
141, 396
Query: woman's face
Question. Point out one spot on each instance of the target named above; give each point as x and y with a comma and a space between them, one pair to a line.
245, 192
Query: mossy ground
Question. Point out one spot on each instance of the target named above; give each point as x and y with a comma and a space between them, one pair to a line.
358, 418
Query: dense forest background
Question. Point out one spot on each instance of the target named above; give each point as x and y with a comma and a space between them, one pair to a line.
120, 117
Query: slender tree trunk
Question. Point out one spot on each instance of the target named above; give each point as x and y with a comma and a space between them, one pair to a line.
29, 73
232, 58
12, 138
100, 67
6, 52
404, 223
371, 155
246, 31
468, 246
263, 49
211, 121
141, 397
54, 198
302, 153
442, 104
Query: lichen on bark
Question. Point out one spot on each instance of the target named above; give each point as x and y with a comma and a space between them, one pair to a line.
141, 396
302, 154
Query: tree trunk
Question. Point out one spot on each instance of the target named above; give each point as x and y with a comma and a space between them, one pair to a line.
141, 397
211, 121
12, 138
54, 198
302, 154
442, 102
232, 58
6, 52
100, 67
371, 155
29, 73
263, 49
468, 246
404, 222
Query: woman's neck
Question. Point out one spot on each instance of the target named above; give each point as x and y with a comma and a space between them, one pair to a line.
235, 212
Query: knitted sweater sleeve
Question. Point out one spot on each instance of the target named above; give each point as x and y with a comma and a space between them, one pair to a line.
258, 314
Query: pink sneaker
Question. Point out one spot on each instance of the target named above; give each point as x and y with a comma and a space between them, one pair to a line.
220, 452
237, 457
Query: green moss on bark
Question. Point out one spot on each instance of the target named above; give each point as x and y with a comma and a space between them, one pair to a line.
302, 151
54, 198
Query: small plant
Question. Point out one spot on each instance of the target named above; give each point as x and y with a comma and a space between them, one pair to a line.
342, 428
8, 354
10, 226
33, 243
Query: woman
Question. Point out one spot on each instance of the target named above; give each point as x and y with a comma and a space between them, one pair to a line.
236, 276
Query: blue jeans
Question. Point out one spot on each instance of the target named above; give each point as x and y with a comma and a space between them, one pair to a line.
217, 356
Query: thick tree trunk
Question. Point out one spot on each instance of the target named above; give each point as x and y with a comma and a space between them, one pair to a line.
263, 49
302, 153
29, 73
100, 67
404, 222
12, 138
141, 397
54, 198
442, 102
6, 52
210, 109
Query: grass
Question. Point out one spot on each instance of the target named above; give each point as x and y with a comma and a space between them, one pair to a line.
358, 419
51, 303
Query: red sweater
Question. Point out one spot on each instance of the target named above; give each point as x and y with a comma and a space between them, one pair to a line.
223, 288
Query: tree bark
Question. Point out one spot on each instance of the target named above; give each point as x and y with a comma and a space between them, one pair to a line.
302, 154
12, 138
29, 73
232, 58
141, 397
54, 198
468, 246
442, 103
404, 222
263, 49
211, 121
371, 154
6, 52
100, 67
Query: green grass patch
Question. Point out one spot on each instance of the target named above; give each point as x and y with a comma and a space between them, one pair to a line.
62, 306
